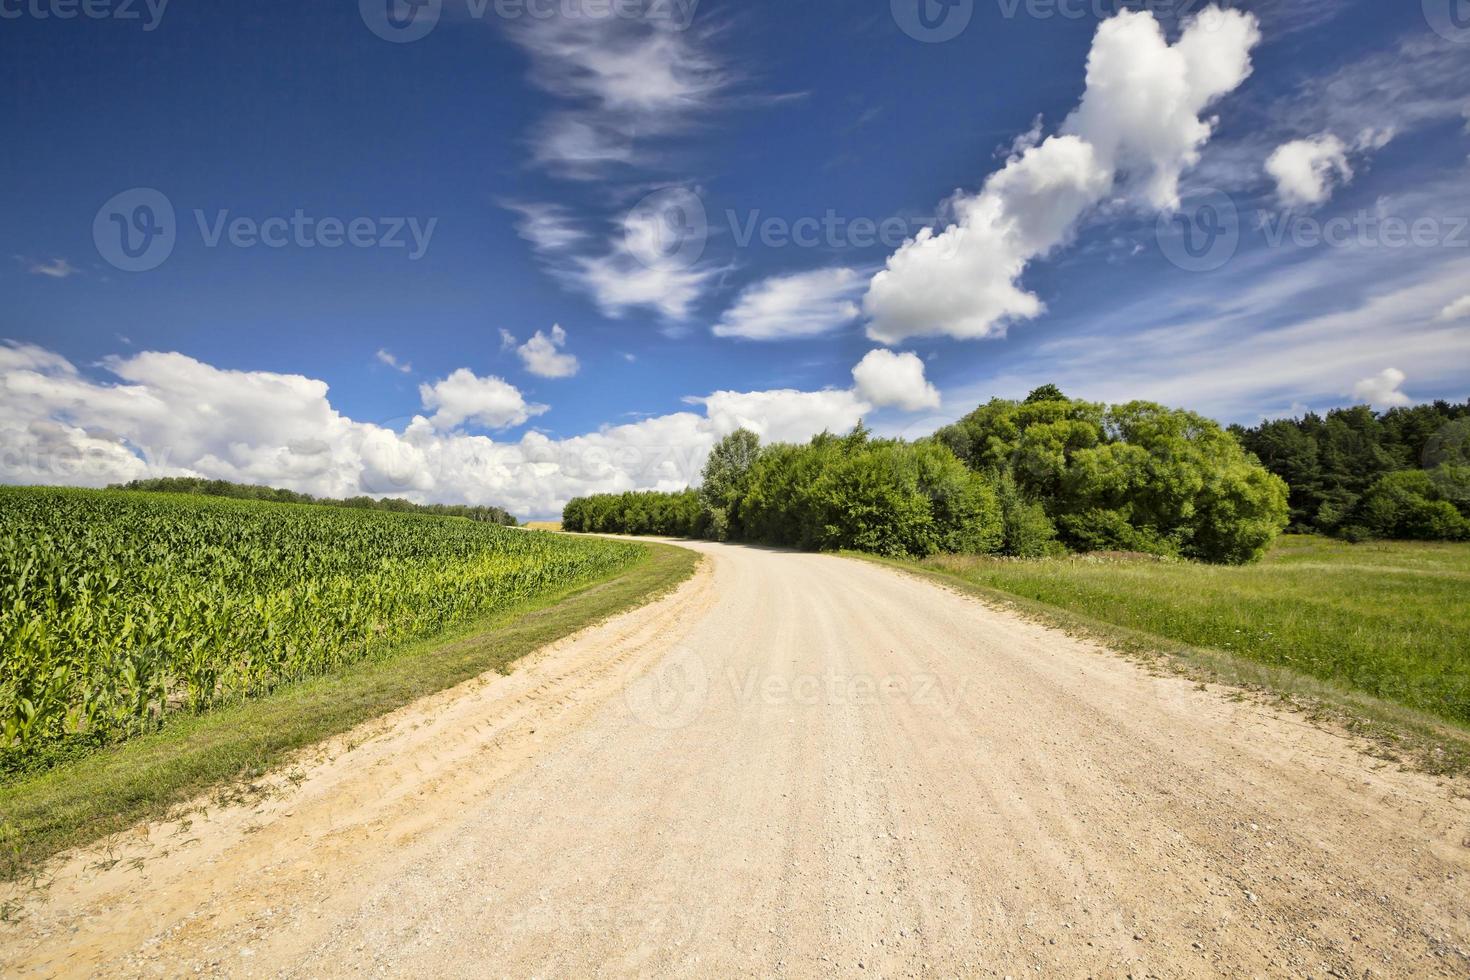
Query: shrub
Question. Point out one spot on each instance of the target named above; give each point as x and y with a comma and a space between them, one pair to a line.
673, 515
1418, 505
1026, 530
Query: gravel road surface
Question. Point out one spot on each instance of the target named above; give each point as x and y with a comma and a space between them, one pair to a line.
795, 765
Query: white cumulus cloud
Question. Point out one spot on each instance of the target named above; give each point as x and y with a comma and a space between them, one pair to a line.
784, 415
885, 378
1142, 110
466, 397
1136, 130
1307, 171
805, 304
1458, 310
1383, 389
543, 356
167, 414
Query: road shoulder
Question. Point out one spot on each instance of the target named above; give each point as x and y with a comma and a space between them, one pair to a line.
1380, 729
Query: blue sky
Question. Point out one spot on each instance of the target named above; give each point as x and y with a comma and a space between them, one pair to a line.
629, 178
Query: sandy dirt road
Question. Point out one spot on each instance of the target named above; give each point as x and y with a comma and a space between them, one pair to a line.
797, 765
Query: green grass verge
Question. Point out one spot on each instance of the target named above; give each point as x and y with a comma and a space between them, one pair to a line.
84, 801
1374, 636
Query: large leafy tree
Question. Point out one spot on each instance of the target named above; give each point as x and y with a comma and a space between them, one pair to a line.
1139, 477
726, 478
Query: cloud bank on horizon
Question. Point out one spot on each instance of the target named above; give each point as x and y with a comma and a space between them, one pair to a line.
171, 415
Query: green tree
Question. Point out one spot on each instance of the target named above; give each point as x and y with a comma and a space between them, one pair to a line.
1046, 393
1136, 477
1333, 464
1418, 505
1026, 530
878, 495
726, 478
1288, 450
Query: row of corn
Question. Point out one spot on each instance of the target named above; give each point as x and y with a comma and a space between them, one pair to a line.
119, 608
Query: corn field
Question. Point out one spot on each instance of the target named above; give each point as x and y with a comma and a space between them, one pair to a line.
117, 609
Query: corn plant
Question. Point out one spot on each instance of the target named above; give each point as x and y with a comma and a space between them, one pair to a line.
118, 609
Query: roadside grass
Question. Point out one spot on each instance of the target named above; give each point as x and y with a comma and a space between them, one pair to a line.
1375, 636
81, 802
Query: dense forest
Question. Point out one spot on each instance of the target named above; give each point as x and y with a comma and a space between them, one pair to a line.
1355, 473
246, 491
1025, 478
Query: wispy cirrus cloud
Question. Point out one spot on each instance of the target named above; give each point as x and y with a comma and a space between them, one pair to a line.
651, 260
628, 88
627, 83
620, 282
804, 304
1423, 79
387, 357
1259, 335
57, 268
1284, 17
547, 227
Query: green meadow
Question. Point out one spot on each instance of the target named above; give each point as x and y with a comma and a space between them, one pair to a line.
1389, 619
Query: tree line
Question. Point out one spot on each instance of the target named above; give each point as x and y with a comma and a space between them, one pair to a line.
247, 491
878, 495
1029, 478
1358, 474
